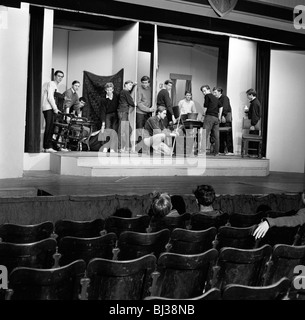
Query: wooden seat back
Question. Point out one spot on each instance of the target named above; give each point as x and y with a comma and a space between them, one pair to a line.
47, 284
35, 255
119, 224
184, 241
201, 221
74, 248
16, 233
133, 245
120, 280
81, 229
181, 276
240, 266
276, 291
282, 262
242, 238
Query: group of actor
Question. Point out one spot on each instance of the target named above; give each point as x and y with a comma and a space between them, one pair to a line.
151, 130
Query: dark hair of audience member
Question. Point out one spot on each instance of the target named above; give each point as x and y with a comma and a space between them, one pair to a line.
205, 195
178, 203
123, 213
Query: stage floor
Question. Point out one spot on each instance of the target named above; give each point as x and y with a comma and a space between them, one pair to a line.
56, 184
132, 164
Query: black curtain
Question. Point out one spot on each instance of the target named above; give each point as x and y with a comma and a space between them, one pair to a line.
262, 85
93, 90
33, 100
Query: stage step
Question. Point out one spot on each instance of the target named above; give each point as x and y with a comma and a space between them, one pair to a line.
97, 164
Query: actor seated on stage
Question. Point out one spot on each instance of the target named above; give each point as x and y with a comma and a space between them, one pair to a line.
155, 132
187, 105
205, 197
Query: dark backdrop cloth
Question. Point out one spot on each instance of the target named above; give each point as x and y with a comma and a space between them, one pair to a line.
93, 90
33, 100
262, 86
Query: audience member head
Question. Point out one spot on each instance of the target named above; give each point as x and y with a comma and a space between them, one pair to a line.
178, 203
123, 212
205, 195
161, 204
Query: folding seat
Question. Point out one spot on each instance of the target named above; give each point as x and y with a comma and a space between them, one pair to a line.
276, 291
241, 220
212, 294
81, 229
63, 283
282, 262
200, 221
170, 222
235, 237
75, 248
119, 224
132, 245
35, 255
184, 241
120, 280
240, 266
16, 233
180, 276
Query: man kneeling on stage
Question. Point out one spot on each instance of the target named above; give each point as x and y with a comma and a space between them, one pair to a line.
155, 132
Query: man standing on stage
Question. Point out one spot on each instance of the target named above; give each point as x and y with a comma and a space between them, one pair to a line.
164, 99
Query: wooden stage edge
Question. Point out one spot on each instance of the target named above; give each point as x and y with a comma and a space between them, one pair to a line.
98, 164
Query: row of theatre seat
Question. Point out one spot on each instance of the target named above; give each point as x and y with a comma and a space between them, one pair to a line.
112, 247
171, 275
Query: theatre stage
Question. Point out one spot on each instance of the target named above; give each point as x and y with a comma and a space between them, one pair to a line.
98, 164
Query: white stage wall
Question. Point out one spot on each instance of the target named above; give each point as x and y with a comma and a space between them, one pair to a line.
241, 77
286, 129
14, 41
198, 61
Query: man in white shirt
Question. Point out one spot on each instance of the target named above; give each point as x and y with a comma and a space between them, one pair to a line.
49, 108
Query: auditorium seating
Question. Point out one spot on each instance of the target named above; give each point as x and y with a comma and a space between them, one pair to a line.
81, 229
132, 245
212, 294
120, 280
47, 284
240, 266
170, 222
282, 262
184, 241
200, 221
241, 220
16, 233
74, 248
181, 276
235, 237
277, 291
35, 255
119, 224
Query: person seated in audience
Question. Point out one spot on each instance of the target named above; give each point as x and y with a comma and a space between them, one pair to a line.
178, 203
205, 197
297, 219
162, 206
123, 212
